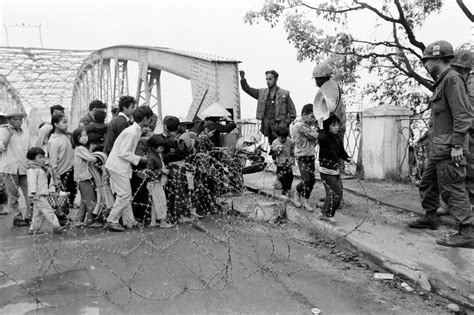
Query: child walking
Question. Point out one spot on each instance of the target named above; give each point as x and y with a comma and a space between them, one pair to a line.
331, 151
61, 156
283, 150
305, 138
83, 177
38, 189
159, 177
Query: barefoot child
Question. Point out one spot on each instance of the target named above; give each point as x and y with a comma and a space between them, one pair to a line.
38, 189
83, 177
159, 175
305, 137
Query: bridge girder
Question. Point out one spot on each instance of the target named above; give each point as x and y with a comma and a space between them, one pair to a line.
212, 78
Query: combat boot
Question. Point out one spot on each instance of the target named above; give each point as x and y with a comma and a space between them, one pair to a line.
427, 222
297, 199
463, 238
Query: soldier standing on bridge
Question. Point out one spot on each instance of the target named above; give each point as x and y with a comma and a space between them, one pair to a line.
274, 106
445, 171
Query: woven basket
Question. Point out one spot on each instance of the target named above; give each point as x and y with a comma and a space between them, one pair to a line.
58, 200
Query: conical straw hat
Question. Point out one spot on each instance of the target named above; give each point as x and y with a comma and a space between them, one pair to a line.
215, 110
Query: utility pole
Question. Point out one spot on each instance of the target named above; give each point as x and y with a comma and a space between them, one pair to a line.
23, 25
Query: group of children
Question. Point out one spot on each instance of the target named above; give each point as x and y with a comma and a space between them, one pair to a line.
305, 136
178, 169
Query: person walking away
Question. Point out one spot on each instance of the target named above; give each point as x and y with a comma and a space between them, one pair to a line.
274, 105
61, 156
158, 174
83, 177
305, 138
14, 144
127, 106
445, 171
331, 152
283, 148
119, 166
38, 190
96, 131
331, 100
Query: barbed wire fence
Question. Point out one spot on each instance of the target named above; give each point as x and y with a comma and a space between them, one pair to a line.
194, 262
78, 247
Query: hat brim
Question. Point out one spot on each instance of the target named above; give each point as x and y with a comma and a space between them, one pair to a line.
15, 115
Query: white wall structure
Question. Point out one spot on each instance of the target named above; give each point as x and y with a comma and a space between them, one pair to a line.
385, 134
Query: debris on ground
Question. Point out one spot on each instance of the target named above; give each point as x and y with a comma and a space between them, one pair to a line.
383, 276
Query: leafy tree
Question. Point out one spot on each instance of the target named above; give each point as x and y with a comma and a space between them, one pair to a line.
396, 60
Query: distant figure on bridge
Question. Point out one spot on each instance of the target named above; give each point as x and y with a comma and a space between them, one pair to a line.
274, 106
45, 130
445, 172
89, 117
127, 106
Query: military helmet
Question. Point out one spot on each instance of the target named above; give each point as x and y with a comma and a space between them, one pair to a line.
322, 70
438, 49
462, 58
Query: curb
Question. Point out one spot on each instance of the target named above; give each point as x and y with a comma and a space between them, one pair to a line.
413, 274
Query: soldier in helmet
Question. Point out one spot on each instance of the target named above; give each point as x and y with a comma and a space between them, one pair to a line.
274, 107
445, 170
462, 63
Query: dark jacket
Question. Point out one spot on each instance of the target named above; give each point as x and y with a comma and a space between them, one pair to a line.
96, 132
331, 150
117, 125
155, 164
284, 108
451, 115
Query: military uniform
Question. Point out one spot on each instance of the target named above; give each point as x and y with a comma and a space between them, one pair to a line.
451, 119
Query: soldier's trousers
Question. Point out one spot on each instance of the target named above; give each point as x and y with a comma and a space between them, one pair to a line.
445, 179
470, 169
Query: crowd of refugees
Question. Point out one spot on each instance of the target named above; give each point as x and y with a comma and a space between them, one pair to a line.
175, 176
153, 179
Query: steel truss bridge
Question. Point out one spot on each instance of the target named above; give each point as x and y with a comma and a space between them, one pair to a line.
34, 79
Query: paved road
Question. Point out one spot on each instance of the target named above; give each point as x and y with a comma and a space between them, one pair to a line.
217, 265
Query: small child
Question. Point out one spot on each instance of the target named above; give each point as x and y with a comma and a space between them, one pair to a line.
331, 150
283, 150
96, 131
156, 169
305, 137
83, 177
38, 189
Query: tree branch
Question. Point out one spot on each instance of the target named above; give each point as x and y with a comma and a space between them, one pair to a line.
376, 11
348, 9
403, 21
466, 11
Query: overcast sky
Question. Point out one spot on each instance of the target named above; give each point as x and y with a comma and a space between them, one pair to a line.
211, 26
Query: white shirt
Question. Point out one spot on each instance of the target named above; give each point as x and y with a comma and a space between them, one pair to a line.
13, 156
123, 155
